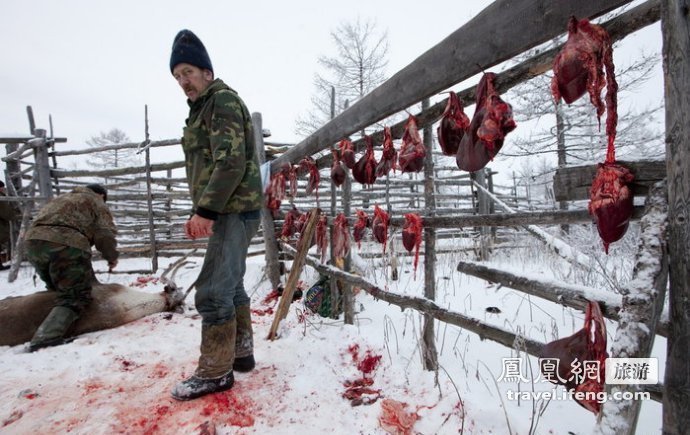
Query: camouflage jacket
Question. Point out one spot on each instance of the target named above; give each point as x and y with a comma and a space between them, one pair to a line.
218, 143
8, 213
79, 219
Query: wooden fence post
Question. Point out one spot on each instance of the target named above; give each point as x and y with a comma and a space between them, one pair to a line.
149, 194
675, 29
42, 169
13, 178
483, 207
336, 285
168, 205
429, 353
267, 223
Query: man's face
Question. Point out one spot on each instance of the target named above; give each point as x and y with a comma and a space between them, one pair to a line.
193, 80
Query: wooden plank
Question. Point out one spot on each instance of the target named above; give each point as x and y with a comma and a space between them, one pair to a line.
122, 146
295, 271
149, 199
564, 294
272, 269
119, 171
574, 182
429, 352
491, 37
45, 185
643, 302
675, 29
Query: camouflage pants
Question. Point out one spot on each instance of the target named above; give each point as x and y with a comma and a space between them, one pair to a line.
64, 269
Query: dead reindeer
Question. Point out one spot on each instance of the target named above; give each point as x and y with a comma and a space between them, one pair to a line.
112, 305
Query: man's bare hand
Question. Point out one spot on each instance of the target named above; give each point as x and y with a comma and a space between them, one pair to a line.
198, 227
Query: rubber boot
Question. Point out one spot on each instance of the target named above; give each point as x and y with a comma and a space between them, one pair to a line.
244, 346
53, 329
214, 372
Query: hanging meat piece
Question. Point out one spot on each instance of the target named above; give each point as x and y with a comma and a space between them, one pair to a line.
301, 222
290, 223
363, 222
454, 124
308, 165
412, 235
379, 226
290, 174
338, 173
276, 190
559, 358
341, 236
347, 153
364, 170
321, 236
492, 121
611, 201
585, 64
389, 155
412, 151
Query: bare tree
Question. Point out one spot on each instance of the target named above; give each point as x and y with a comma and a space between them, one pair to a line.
573, 133
115, 158
357, 68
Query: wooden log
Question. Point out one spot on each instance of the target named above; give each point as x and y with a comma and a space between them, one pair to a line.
130, 145
272, 268
555, 217
675, 29
429, 352
574, 183
296, 270
466, 52
119, 171
44, 182
571, 296
643, 302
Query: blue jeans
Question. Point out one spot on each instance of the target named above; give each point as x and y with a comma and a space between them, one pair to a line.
220, 285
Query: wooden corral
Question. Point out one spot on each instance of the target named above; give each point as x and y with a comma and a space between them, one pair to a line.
450, 200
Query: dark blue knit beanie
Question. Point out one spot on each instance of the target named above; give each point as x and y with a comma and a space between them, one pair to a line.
187, 48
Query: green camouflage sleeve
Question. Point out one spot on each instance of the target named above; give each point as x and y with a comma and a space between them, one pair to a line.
104, 236
228, 147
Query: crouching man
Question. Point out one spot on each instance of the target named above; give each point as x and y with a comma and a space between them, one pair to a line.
59, 245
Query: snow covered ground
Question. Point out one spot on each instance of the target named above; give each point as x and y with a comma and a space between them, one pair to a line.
118, 380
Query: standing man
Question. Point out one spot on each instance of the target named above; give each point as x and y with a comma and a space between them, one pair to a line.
7, 214
58, 244
225, 186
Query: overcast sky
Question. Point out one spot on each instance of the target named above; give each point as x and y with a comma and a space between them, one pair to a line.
94, 65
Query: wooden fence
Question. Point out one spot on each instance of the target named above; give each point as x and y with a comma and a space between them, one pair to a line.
460, 56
